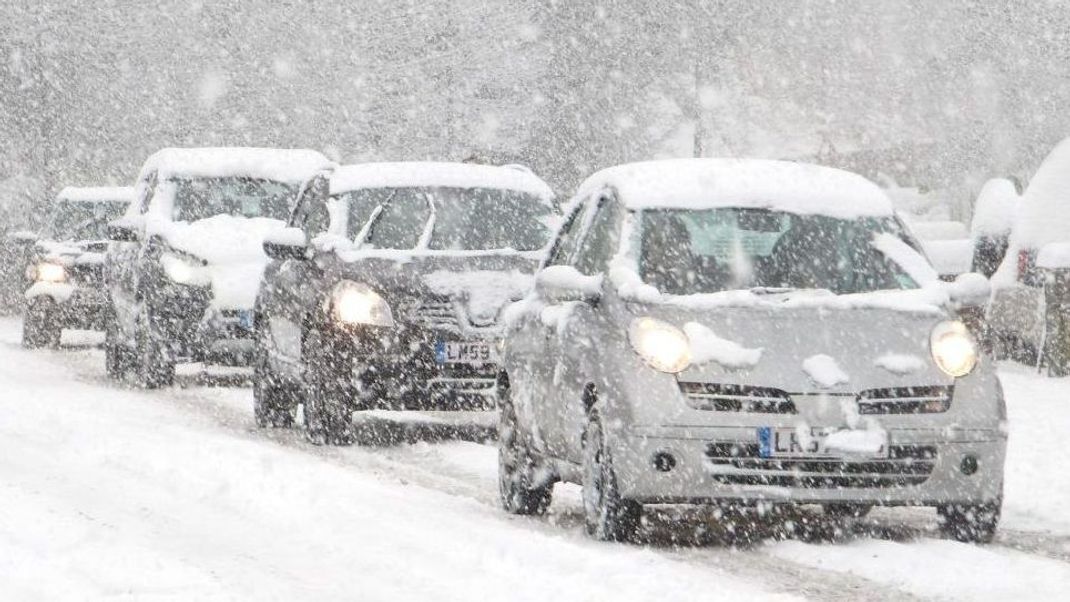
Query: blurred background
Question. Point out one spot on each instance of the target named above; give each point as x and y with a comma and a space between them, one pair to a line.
929, 96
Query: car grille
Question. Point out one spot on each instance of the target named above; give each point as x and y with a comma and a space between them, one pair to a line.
905, 400
767, 400
436, 314
737, 398
87, 274
906, 465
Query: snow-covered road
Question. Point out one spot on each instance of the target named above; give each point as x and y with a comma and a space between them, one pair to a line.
108, 492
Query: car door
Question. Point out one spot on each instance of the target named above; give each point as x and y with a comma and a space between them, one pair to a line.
291, 286
574, 350
123, 262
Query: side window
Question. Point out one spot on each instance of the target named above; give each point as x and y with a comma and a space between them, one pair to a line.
567, 239
602, 239
400, 223
311, 214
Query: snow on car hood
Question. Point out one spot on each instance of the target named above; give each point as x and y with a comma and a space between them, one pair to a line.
870, 348
232, 247
483, 293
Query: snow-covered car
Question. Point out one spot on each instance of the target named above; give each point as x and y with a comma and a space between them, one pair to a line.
395, 301
947, 244
994, 215
745, 332
187, 258
1030, 310
65, 268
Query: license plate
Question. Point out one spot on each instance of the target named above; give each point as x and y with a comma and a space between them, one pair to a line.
821, 442
245, 319
465, 352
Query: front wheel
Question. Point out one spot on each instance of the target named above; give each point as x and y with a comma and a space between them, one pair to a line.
972, 523
518, 485
274, 402
606, 516
39, 327
329, 389
154, 366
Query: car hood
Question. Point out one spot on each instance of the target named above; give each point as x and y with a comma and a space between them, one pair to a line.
478, 285
810, 349
232, 248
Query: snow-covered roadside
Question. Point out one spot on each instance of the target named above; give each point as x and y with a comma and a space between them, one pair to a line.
114, 493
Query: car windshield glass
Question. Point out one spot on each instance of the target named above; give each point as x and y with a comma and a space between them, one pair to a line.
472, 219
83, 221
361, 205
201, 198
688, 251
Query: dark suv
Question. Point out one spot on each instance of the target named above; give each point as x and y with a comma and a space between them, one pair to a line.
187, 258
65, 264
390, 295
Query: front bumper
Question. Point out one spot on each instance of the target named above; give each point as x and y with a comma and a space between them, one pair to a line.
75, 306
712, 464
193, 330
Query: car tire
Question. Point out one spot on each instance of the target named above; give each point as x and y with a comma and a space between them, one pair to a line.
517, 463
153, 364
274, 402
972, 523
329, 391
607, 516
845, 511
117, 360
39, 326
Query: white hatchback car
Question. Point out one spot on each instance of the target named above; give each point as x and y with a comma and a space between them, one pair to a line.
726, 331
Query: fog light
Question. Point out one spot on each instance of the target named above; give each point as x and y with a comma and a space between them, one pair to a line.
969, 464
664, 461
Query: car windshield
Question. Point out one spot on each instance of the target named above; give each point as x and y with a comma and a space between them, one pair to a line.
466, 219
201, 198
83, 221
688, 251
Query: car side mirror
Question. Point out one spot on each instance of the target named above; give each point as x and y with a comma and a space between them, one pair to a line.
564, 283
22, 237
969, 290
120, 231
288, 243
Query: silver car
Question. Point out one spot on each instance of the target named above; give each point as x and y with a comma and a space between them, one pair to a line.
748, 333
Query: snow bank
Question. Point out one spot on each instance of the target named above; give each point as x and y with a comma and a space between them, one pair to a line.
96, 194
292, 166
706, 346
704, 183
427, 173
900, 363
996, 208
484, 293
824, 371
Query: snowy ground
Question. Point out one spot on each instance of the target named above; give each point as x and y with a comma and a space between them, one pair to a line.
109, 492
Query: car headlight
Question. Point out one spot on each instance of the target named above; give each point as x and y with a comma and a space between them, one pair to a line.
953, 348
356, 303
183, 271
49, 272
663, 346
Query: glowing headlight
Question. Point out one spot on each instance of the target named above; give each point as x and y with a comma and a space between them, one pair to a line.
663, 346
183, 271
355, 303
953, 348
50, 272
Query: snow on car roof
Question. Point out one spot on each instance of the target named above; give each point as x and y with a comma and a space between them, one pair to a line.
283, 165
96, 194
708, 183
997, 204
1044, 213
429, 173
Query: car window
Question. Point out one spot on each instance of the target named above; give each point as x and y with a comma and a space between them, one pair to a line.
401, 221
601, 240
312, 216
147, 192
567, 239
474, 219
360, 206
201, 198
